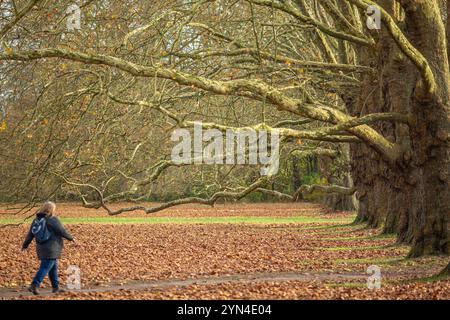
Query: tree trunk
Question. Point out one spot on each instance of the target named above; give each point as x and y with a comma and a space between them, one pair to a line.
430, 134
296, 175
382, 189
446, 271
412, 196
336, 201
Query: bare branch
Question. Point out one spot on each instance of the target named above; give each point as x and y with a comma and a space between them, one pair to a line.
240, 87
308, 189
18, 17
289, 8
405, 45
275, 193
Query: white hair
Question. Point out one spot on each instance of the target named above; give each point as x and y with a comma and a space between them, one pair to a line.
48, 207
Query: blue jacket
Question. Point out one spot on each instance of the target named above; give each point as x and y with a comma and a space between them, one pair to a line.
52, 248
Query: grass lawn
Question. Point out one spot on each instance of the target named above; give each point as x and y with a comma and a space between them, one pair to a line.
193, 220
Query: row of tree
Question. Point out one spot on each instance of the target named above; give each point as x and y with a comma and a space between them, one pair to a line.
91, 111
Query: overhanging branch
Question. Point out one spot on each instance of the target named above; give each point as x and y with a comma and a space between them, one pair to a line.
405, 45
241, 87
309, 189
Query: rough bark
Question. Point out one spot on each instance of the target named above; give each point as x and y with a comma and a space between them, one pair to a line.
382, 190
446, 271
338, 201
412, 196
430, 134
296, 175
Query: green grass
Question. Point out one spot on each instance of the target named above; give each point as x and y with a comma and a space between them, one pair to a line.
361, 248
426, 279
381, 261
334, 229
186, 220
376, 237
343, 223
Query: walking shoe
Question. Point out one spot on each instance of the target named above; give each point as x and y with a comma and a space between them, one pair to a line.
58, 290
33, 289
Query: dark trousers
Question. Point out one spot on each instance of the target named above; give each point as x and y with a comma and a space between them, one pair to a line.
50, 267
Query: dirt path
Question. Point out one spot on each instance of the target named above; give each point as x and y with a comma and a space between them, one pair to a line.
161, 284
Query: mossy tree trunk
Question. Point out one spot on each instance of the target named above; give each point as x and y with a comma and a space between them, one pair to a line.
446, 271
411, 196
